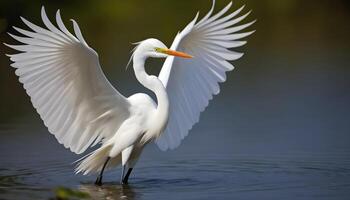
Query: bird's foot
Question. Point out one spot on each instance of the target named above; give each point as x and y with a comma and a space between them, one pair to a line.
98, 181
126, 178
123, 182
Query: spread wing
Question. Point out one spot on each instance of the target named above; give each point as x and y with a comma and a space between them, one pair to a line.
191, 83
65, 82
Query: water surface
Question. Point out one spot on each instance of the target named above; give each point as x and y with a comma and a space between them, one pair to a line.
33, 165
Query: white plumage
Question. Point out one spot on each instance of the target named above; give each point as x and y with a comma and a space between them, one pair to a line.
192, 83
63, 77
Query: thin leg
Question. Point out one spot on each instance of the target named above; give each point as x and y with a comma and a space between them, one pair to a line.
122, 175
126, 178
99, 178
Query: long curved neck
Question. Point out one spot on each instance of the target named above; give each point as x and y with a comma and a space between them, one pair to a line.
155, 85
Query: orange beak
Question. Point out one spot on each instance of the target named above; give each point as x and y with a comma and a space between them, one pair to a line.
177, 53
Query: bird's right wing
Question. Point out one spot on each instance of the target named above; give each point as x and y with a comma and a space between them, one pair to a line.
65, 82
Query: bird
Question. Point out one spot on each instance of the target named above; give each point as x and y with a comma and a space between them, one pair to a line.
62, 75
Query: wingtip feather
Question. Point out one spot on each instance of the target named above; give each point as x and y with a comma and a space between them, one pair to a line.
23, 19
12, 35
9, 45
77, 32
229, 4
43, 13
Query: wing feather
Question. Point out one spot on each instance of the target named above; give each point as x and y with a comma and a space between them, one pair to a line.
192, 83
65, 82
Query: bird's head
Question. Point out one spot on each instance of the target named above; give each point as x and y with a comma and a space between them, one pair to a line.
157, 49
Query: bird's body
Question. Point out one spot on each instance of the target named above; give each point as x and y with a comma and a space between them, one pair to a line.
147, 119
63, 77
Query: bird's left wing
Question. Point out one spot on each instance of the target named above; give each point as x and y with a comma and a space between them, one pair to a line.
191, 83
63, 77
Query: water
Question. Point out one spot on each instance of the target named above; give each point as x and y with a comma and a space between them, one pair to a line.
33, 165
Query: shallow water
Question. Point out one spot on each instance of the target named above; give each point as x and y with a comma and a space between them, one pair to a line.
33, 165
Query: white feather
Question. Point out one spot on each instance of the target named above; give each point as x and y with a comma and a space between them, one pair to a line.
192, 83
63, 77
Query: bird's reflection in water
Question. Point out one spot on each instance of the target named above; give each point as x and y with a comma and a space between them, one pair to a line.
110, 192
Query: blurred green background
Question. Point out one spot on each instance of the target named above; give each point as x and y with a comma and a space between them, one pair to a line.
291, 85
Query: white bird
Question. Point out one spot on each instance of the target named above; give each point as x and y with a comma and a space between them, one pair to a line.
80, 107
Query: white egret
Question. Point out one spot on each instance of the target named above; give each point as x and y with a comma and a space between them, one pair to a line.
65, 82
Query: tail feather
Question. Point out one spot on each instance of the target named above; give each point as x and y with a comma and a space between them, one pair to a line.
93, 162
